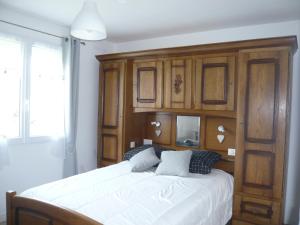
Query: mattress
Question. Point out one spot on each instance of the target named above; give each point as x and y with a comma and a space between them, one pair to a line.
116, 196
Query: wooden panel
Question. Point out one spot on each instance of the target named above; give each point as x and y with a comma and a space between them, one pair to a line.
258, 169
111, 87
104, 163
215, 83
134, 123
166, 128
147, 83
257, 211
261, 134
111, 105
225, 165
178, 83
110, 147
57, 223
239, 222
261, 100
25, 217
211, 132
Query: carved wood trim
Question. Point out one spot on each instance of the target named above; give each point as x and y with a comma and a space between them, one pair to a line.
215, 102
177, 84
103, 99
271, 169
277, 69
139, 70
183, 81
254, 212
102, 150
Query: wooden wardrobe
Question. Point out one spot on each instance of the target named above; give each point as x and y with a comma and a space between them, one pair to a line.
244, 85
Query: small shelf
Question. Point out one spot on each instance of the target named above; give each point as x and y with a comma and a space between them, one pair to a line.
219, 113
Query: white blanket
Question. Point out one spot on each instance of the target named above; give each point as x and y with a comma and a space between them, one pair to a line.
115, 196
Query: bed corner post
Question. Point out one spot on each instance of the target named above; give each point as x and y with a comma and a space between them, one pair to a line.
9, 208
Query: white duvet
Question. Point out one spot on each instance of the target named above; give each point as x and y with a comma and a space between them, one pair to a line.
115, 196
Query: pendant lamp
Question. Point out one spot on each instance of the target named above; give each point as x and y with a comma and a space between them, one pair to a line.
88, 24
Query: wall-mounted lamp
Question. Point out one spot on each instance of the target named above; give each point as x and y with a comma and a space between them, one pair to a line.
221, 137
221, 128
155, 123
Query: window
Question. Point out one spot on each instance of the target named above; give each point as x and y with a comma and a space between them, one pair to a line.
31, 90
11, 68
46, 92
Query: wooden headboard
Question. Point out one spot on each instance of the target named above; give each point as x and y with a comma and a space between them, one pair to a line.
208, 135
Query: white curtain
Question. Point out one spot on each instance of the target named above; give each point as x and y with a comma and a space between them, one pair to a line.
71, 67
4, 155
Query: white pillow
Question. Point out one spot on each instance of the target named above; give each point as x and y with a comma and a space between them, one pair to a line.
144, 160
175, 163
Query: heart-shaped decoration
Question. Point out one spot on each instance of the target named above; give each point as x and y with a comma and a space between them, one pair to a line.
220, 138
158, 133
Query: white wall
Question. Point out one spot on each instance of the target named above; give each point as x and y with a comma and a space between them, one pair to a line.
245, 33
293, 178
212, 36
30, 165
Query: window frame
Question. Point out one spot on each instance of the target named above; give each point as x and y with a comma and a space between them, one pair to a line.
24, 118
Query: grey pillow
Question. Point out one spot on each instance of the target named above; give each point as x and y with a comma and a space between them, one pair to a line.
144, 160
175, 163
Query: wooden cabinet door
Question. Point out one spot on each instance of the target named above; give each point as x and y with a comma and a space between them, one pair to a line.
147, 83
111, 112
178, 83
214, 83
261, 132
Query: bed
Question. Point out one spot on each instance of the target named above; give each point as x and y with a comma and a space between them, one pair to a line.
114, 195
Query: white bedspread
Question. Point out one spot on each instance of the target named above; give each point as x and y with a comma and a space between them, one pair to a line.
115, 196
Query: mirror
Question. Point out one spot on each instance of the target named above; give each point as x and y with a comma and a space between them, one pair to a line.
188, 131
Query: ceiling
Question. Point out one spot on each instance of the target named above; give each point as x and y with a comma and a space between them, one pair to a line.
140, 19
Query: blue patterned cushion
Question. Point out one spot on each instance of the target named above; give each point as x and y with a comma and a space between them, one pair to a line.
202, 161
158, 150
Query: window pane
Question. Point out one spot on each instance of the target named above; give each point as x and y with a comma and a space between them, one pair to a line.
46, 92
11, 70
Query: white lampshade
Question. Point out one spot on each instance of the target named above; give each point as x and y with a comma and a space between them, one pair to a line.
88, 24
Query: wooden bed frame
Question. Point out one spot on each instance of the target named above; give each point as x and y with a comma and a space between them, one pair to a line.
26, 211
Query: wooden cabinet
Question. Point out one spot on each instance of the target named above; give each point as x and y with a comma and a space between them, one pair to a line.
215, 82
111, 112
147, 83
178, 83
202, 80
262, 120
